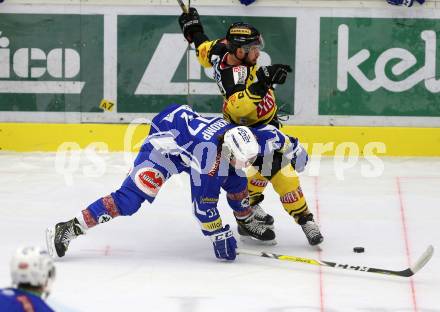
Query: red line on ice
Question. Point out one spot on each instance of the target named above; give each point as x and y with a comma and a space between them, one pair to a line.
107, 250
405, 235
318, 219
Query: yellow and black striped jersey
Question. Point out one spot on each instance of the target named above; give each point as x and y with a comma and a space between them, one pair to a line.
241, 106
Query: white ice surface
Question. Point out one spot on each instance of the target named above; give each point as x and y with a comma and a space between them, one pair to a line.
158, 260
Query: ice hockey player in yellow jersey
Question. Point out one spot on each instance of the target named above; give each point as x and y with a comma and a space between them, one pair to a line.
249, 100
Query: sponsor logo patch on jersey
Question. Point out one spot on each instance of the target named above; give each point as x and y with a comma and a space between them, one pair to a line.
215, 166
209, 200
240, 74
266, 105
292, 197
149, 180
258, 182
213, 225
289, 198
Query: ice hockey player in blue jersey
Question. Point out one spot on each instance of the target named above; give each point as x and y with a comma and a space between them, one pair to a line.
32, 272
211, 150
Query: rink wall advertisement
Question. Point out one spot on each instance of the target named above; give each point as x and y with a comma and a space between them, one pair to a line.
378, 67
375, 67
51, 62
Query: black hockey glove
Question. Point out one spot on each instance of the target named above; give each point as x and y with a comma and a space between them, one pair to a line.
190, 24
268, 76
273, 74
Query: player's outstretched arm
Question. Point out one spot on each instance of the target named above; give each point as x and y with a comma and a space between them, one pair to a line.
192, 28
211, 225
297, 154
273, 140
224, 243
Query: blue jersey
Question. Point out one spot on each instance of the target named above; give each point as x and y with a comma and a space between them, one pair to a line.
17, 300
193, 142
180, 140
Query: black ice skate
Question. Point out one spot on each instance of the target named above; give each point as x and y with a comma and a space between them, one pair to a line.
311, 229
263, 217
260, 214
251, 228
58, 238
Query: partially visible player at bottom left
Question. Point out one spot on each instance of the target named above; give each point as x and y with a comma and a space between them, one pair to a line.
211, 150
32, 272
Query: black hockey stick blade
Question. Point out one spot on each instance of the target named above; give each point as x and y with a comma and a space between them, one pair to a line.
182, 6
424, 258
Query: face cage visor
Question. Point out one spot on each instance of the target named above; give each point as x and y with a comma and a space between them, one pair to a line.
257, 44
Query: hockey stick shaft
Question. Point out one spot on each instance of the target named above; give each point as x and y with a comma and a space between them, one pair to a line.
405, 273
182, 6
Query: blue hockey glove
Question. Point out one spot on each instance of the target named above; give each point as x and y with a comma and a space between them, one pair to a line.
247, 2
224, 244
300, 159
406, 3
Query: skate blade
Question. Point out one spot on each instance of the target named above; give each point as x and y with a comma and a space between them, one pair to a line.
316, 244
50, 243
253, 241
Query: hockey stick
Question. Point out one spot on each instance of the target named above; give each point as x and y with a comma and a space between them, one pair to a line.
425, 257
182, 6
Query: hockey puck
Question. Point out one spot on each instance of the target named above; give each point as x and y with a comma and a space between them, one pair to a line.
358, 249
